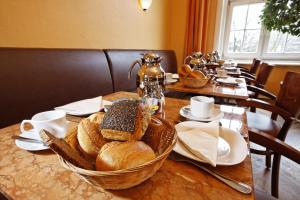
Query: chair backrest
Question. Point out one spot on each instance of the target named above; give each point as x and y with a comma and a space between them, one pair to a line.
254, 66
263, 74
288, 97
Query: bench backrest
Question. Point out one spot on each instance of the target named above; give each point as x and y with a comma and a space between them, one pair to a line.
35, 80
120, 61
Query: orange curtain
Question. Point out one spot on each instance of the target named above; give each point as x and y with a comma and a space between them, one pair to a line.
200, 29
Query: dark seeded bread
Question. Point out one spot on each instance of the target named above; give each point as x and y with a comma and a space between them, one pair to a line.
125, 120
63, 149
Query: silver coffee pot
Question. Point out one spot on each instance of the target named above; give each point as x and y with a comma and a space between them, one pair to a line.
150, 67
195, 60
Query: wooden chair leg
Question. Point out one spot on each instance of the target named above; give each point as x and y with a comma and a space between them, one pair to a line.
252, 109
268, 160
275, 175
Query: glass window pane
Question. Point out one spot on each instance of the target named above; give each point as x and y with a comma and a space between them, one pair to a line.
253, 20
239, 15
276, 42
292, 44
235, 41
251, 40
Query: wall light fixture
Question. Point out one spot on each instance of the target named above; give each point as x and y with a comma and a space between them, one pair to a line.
145, 4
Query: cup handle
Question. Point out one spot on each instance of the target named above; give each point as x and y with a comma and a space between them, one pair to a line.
23, 123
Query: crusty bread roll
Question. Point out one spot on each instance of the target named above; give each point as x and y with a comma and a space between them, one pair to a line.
184, 70
196, 74
125, 120
123, 155
89, 137
96, 117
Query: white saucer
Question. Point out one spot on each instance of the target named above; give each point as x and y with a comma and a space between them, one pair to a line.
29, 146
170, 81
185, 112
238, 148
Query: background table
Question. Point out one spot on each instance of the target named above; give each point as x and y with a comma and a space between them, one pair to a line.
38, 175
213, 89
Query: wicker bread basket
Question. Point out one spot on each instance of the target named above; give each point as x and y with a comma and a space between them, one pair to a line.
165, 136
194, 82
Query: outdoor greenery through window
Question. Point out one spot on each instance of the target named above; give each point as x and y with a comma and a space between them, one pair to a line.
245, 28
246, 38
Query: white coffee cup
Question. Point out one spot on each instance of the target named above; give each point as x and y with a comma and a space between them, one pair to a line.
169, 76
53, 121
202, 107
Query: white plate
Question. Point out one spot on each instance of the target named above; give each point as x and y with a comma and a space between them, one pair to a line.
230, 68
175, 76
169, 81
220, 76
29, 145
185, 112
229, 81
84, 107
237, 154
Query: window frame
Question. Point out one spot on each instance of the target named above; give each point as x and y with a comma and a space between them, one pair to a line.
262, 42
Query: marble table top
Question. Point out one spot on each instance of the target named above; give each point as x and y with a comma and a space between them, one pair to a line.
38, 175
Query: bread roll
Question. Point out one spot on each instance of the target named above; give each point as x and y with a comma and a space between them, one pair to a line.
125, 120
123, 155
196, 74
184, 70
96, 117
89, 138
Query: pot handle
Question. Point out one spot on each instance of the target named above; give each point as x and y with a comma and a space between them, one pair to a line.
132, 66
186, 59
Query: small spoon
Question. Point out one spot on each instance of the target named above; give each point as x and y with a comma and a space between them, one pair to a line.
25, 139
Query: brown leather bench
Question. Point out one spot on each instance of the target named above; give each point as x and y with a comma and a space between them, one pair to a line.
34, 80
120, 61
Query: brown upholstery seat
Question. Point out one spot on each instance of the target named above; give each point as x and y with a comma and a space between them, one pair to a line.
120, 61
35, 80
261, 122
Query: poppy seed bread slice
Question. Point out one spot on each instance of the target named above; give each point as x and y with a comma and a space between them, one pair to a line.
125, 120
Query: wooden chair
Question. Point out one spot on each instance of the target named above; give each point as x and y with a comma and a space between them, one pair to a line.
279, 148
263, 74
255, 86
287, 105
253, 67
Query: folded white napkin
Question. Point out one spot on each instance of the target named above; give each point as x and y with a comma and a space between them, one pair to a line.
84, 107
200, 139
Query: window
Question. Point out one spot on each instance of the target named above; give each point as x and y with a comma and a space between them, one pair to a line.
246, 38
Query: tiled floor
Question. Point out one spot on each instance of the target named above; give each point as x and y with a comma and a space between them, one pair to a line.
289, 179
